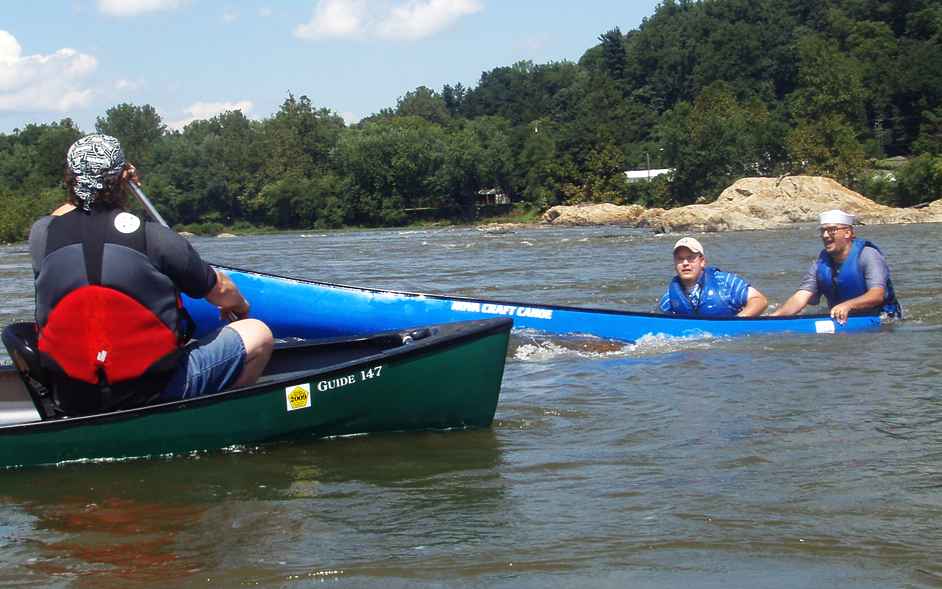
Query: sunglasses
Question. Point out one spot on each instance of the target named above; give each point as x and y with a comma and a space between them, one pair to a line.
689, 259
830, 231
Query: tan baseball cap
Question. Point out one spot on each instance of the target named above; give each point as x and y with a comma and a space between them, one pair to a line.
689, 243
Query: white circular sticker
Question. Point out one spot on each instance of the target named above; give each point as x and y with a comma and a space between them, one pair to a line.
127, 223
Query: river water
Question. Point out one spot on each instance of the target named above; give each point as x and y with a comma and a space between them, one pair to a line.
775, 461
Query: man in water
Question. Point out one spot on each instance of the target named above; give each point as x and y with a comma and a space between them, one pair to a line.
851, 273
113, 332
706, 291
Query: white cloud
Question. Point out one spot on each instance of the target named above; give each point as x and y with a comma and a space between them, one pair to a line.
127, 85
230, 15
417, 18
335, 19
207, 110
39, 82
135, 7
349, 118
398, 20
531, 45
264, 11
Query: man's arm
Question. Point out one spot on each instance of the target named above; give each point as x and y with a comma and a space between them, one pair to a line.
868, 300
664, 303
755, 304
875, 271
225, 295
794, 304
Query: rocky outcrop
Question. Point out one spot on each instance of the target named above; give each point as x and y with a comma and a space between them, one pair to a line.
499, 228
594, 214
751, 203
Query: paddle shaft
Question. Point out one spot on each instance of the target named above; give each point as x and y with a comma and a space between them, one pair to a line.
145, 202
152, 211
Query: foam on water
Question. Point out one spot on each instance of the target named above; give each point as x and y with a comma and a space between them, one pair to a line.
537, 348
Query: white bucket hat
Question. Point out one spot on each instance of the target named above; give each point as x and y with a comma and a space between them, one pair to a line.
836, 217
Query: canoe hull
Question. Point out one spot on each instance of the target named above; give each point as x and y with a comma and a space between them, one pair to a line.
316, 309
421, 389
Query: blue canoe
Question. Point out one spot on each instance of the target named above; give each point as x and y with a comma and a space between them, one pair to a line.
304, 308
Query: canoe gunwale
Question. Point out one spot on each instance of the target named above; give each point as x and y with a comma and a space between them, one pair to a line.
554, 307
454, 334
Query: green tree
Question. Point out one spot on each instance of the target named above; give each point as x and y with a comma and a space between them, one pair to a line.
425, 103
299, 138
50, 142
828, 108
713, 142
541, 179
919, 181
21, 210
389, 165
614, 58
930, 133
826, 146
453, 96
138, 128
475, 157
605, 181
33, 159
829, 82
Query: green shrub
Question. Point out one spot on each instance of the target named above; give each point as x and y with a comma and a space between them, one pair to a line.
919, 181
201, 228
20, 211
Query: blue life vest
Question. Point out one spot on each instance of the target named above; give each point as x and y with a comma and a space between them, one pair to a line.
713, 302
849, 282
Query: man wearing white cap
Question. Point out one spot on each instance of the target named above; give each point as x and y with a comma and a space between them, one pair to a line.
706, 291
851, 273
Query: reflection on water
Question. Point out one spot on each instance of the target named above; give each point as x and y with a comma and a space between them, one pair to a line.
203, 516
774, 461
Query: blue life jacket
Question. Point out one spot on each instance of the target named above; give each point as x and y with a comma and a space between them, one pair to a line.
849, 282
713, 302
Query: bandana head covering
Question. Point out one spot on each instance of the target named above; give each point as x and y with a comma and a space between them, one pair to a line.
93, 159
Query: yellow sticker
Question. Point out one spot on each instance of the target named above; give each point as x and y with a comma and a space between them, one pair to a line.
298, 396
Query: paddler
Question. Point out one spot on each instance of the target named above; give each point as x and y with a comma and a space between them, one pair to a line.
851, 273
706, 291
113, 332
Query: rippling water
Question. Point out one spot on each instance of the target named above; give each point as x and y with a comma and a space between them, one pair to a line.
779, 461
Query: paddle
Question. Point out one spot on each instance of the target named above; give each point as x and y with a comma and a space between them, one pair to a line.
152, 211
145, 202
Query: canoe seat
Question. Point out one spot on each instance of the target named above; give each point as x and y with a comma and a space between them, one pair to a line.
416, 334
20, 341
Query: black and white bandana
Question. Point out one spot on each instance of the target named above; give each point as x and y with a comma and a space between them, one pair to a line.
94, 159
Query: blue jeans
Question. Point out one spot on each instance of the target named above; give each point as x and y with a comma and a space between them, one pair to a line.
208, 365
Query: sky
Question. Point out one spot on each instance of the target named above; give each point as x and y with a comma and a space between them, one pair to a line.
193, 59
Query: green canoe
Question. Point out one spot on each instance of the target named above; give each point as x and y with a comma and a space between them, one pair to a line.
441, 377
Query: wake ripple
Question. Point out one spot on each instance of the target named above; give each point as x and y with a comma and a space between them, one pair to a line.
534, 348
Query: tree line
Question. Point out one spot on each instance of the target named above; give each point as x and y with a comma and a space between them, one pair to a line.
714, 89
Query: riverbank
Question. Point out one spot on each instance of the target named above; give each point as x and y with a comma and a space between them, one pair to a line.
518, 217
750, 204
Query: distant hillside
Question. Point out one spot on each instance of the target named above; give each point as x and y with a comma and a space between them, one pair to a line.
715, 90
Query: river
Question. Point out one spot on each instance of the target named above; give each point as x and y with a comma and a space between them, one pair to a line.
774, 461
